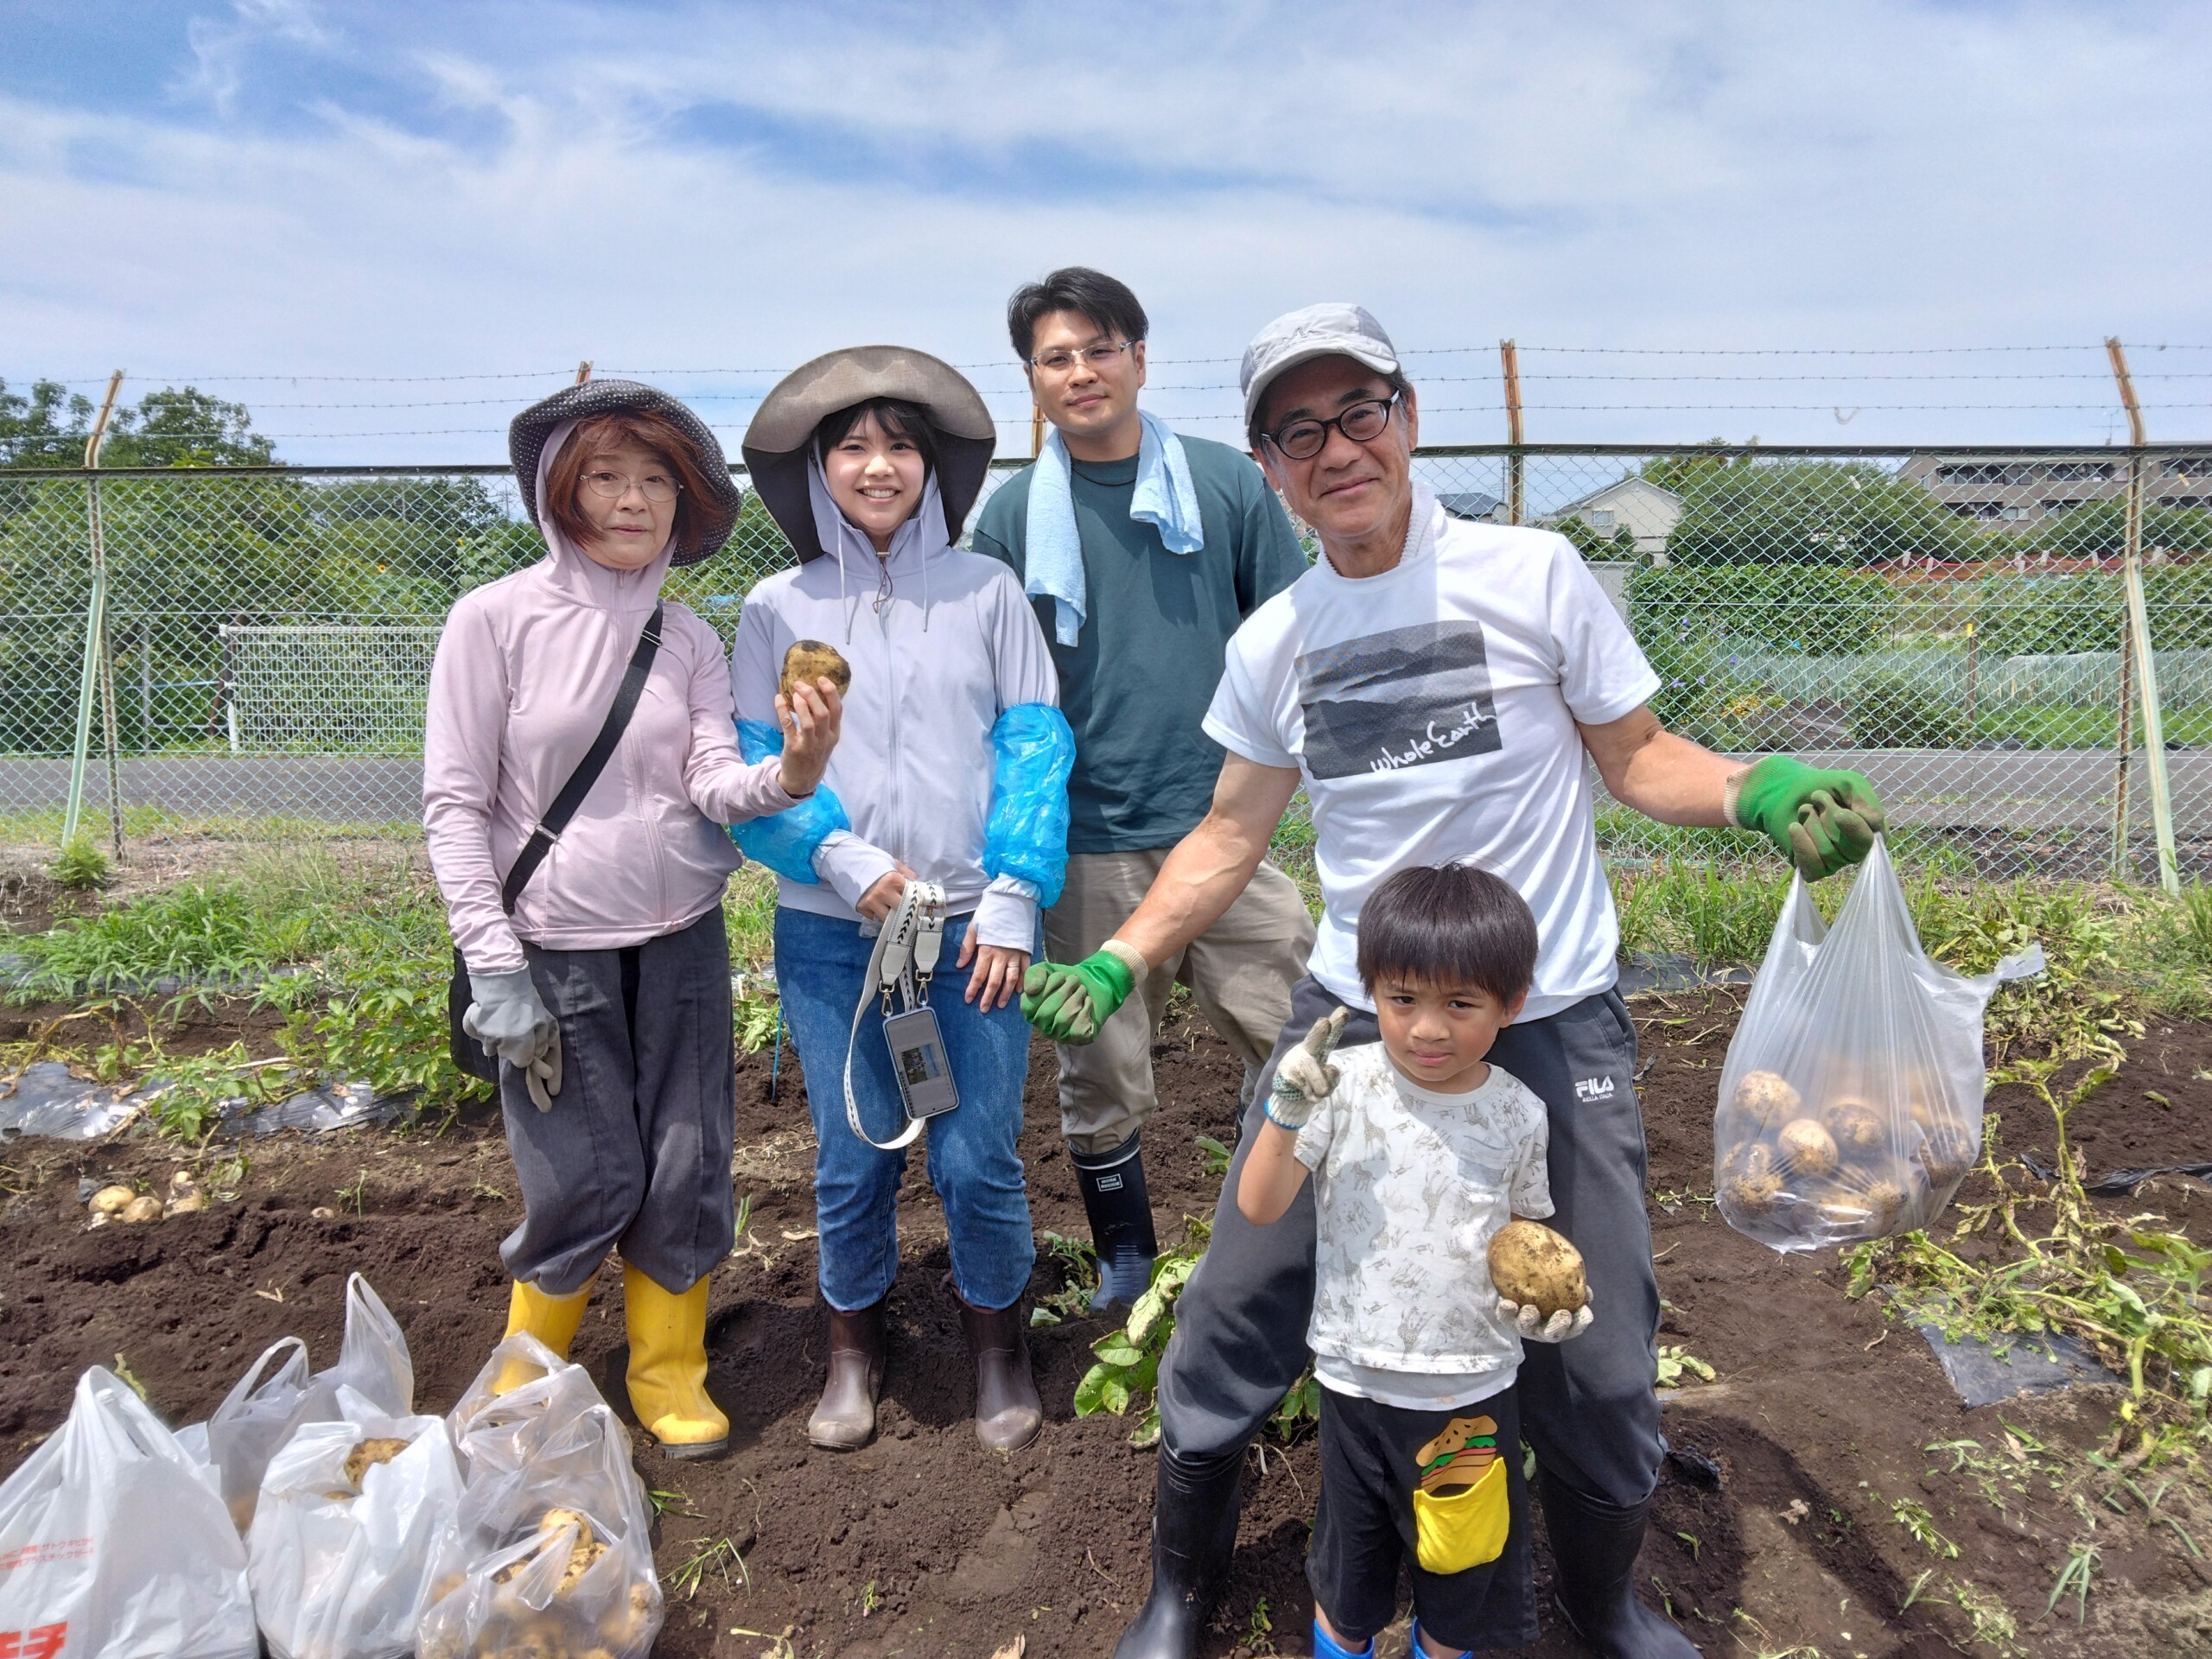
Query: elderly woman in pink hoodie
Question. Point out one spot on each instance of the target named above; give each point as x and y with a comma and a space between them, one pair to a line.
600, 975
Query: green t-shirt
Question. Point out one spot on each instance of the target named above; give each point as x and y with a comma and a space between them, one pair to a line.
1136, 683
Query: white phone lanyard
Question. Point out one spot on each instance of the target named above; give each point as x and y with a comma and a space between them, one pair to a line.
905, 956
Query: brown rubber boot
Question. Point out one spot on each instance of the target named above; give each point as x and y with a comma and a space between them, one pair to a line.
1007, 1412
846, 1418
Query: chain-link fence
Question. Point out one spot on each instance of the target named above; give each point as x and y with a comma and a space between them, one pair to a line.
1955, 625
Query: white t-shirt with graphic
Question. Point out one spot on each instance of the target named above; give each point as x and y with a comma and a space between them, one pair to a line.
1409, 1188
1432, 711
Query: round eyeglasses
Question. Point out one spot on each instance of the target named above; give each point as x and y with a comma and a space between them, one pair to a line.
1302, 440
657, 487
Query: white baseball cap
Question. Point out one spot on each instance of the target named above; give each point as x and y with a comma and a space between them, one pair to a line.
1333, 328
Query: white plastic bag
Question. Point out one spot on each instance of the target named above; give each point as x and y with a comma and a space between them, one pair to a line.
552, 1552
1851, 1103
114, 1546
260, 1413
350, 1514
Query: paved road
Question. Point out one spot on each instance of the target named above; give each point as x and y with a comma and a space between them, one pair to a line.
2014, 790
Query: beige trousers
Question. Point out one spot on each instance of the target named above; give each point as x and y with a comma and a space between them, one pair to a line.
1239, 971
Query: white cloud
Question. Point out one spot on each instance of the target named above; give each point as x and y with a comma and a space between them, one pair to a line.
744, 187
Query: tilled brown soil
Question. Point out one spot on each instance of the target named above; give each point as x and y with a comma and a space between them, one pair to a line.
1815, 1431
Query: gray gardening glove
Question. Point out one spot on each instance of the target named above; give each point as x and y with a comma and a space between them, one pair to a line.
542, 1077
1305, 1078
508, 1017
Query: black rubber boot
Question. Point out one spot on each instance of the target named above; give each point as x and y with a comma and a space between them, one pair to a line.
1193, 1534
1594, 1547
1119, 1210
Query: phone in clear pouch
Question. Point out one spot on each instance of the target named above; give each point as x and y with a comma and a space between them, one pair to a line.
918, 1060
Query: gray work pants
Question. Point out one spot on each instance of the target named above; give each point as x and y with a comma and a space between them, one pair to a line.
635, 1153
1589, 1406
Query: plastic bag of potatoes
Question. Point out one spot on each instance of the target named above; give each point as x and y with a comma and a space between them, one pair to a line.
551, 1556
1851, 1103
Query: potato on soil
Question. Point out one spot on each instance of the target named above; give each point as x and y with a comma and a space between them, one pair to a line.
145, 1208
1532, 1265
1767, 1098
1807, 1150
366, 1454
111, 1200
809, 660
1855, 1126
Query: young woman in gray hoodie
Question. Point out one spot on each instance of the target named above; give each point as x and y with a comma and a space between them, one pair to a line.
952, 769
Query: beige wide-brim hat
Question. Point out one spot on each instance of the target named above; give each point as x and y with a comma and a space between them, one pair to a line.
775, 447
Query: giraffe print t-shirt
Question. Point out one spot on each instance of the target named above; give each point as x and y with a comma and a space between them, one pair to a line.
1409, 1187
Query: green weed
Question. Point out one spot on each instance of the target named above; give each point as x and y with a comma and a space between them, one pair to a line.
712, 1555
2134, 1293
1078, 1265
1712, 914
1915, 1518
1128, 1359
79, 866
1676, 1362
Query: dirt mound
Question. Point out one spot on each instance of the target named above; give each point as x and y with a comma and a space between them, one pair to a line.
1778, 1522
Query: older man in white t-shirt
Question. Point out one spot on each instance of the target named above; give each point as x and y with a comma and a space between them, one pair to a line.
1438, 687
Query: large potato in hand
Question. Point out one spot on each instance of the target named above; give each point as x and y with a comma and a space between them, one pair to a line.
809, 660
1532, 1265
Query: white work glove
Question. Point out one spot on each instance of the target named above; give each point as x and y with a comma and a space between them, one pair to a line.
1534, 1327
1305, 1078
509, 1019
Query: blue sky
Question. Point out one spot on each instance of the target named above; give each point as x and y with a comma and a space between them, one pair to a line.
285, 189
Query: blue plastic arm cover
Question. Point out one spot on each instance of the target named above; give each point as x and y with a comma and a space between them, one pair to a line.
785, 841
1027, 836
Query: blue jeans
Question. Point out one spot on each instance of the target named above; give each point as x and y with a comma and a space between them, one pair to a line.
821, 965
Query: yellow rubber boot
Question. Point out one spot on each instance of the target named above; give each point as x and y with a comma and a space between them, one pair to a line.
668, 1368
552, 1319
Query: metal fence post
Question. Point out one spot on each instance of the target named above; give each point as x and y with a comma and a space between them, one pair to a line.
1510, 364
91, 678
2137, 644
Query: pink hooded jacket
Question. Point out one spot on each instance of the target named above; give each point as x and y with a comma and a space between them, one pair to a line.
525, 670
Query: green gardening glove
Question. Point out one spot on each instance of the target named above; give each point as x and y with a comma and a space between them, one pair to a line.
1820, 820
1069, 1001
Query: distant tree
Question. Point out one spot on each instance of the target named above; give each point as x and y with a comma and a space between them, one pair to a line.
46, 429
2099, 529
1811, 512
1682, 473
1591, 544
186, 428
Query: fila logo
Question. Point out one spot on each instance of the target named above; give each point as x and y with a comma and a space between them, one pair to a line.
1107, 1183
1593, 1089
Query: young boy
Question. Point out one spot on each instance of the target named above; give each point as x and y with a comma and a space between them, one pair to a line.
1420, 1152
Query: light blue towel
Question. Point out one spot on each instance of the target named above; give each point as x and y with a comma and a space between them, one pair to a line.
1052, 553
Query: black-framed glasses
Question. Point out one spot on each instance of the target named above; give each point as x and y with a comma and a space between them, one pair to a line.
1097, 357
1303, 439
657, 487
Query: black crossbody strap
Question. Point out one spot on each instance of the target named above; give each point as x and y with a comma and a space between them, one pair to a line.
572, 794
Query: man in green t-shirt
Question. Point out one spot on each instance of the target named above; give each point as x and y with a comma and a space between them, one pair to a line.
1143, 552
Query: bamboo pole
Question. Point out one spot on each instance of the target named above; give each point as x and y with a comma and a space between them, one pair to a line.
1510, 362
2136, 646
90, 679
